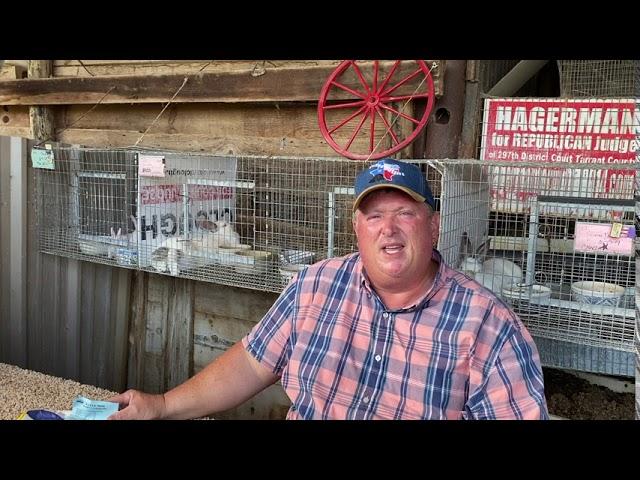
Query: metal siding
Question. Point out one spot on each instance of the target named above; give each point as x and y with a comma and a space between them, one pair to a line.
71, 317
5, 208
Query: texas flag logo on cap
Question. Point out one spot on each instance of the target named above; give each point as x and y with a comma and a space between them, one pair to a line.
387, 170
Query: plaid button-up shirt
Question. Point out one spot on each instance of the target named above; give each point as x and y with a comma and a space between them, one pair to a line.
341, 354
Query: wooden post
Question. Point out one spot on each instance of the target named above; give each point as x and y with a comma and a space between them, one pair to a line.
41, 118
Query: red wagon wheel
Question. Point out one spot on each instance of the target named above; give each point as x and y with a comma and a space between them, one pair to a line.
385, 97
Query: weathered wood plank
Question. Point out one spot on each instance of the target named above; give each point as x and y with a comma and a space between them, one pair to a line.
233, 145
14, 121
41, 118
179, 351
156, 337
137, 331
90, 68
279, 85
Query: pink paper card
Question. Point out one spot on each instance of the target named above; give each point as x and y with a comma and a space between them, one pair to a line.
151, 166
595, 237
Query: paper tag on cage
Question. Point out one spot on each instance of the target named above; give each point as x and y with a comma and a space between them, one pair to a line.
151, 166
616, 230
42, 159
595, 237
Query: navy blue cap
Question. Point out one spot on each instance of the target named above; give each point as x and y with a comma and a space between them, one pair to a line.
390, 173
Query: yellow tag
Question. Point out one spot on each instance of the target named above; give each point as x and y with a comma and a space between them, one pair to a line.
616, 230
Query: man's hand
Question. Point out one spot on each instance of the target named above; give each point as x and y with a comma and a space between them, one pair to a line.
136, 405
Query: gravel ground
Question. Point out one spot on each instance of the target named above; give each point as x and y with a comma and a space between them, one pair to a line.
567, 395
22, 390
576, 399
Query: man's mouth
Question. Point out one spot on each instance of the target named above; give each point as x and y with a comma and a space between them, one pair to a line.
393, 248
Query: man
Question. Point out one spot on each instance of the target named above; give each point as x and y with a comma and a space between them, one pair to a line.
390, 332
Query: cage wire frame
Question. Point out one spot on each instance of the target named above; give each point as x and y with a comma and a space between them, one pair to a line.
597, 78
254, 222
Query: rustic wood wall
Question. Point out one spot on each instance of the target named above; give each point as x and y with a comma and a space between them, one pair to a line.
175, 326
244, 107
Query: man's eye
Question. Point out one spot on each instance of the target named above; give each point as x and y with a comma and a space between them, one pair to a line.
374, 216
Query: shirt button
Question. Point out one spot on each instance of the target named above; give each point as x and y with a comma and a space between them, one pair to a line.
385, 315
378, 358
365, 400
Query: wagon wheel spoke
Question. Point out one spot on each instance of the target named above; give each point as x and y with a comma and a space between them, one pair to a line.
399, 113
348, 119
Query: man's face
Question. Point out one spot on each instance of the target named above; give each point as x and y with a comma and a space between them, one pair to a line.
395, 237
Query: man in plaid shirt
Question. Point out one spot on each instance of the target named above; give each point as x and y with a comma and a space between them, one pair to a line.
390, 332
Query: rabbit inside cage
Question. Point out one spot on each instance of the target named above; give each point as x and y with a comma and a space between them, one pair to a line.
562, 258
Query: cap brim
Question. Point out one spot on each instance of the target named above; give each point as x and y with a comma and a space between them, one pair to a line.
416, 196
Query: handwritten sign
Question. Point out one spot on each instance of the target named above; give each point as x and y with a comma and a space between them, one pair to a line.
42, 159
151, 166
595, 237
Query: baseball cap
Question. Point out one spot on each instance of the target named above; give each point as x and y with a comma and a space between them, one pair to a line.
390, 173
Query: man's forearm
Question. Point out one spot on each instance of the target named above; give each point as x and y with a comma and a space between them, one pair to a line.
228, 381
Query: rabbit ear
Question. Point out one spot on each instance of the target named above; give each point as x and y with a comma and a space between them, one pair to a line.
119, 232
113, 233
134, 220
465, 249
483, 249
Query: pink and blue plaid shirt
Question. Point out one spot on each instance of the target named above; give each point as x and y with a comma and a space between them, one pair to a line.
460, 353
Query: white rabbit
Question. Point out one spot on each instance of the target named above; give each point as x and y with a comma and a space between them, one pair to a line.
120, 240
169, 254
215, 234
225, 234
493, 273
167, 257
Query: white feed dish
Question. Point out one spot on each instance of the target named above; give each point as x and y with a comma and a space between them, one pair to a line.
520, 291
597, 293
288, 271
297, 257
251, 261
126, 256
233, 248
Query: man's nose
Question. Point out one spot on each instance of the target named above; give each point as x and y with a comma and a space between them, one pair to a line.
388, 225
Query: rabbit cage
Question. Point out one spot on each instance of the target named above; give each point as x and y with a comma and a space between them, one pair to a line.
245, 221
557, 244
553, 242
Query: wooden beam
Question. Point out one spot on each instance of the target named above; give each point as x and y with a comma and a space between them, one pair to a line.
179, 350
41, 118
277, 85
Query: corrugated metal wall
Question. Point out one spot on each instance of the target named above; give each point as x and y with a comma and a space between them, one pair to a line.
74, 317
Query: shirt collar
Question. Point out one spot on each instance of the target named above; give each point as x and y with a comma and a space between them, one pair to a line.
365, 283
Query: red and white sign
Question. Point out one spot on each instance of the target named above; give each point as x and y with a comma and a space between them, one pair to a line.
557, 132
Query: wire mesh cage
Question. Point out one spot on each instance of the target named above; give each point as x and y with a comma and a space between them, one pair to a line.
554, 241
245, 221
598, 78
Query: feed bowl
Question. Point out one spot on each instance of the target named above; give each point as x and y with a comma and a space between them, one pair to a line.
297, 257
597, 293
521, 291
288, 271
252, 261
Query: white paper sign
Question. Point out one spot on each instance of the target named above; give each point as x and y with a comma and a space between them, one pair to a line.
596, 237
151, 166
